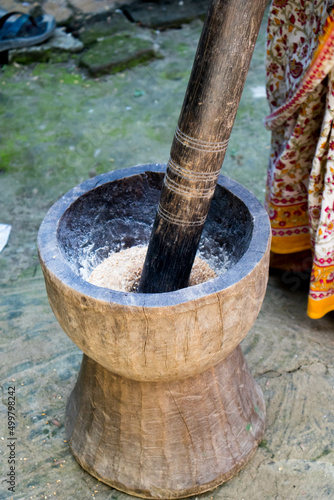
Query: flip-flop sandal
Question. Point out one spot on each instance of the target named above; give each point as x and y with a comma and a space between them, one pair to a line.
24, 30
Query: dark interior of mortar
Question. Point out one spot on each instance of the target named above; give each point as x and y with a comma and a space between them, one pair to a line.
120, 214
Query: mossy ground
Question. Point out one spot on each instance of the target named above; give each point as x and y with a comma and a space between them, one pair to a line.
60, 126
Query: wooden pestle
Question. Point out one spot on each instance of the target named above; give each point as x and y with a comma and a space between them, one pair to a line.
200, 141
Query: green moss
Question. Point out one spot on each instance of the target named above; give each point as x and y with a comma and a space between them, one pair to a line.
91, 33
158, 133
38, 56
182, 48
326, 452
175, 71
60, 57
30, 57
8, 71
117, 53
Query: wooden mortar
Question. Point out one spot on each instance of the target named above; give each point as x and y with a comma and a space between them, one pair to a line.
164, 406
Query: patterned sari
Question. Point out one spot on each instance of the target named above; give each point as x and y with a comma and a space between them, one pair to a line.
300, 180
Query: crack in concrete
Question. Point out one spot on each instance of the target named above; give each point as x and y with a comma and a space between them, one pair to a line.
276, 373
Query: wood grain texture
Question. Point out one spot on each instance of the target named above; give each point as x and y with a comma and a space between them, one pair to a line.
160, 343
200, 142
153, 337
170, 439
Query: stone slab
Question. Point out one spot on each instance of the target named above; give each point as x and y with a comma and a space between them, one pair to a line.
116, 53
59, 10
165, 14
114, 23
94, 6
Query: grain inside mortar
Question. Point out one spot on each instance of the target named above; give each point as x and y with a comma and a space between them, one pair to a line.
121, 271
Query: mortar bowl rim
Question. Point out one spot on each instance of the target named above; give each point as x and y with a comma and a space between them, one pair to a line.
53, 259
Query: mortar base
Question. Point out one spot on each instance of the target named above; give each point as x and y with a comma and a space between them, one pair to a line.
165, 439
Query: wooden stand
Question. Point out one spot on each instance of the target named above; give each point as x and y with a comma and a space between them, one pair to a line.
169, 439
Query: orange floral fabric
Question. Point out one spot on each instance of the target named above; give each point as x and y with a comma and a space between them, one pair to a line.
300, 180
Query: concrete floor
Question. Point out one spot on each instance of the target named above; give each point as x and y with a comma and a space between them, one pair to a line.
59, 127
